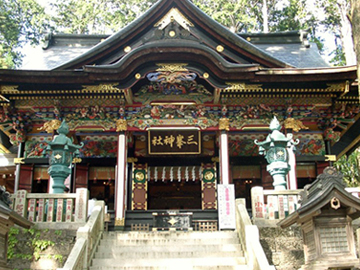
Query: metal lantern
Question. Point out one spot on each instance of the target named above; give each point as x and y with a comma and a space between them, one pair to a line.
62, 152
275, 149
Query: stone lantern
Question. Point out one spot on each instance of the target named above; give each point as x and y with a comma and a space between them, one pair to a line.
275, 150
62, 152
325, 217
8, 218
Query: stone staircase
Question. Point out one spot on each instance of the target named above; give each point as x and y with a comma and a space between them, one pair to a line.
170, 251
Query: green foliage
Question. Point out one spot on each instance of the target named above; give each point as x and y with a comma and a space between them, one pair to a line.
21, 21
96, 16
237, 15
334, 19
39, 245
349, 167
58, 232
338, 56
33, 240
12, 241
59, 258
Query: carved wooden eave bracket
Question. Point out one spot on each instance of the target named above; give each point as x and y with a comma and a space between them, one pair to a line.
128, 96
5, 89
51, 126
121, 125
11, 92
294, 124
102, 88
224, 124
240, 87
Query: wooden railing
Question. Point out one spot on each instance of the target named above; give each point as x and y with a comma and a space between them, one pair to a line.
278, 204
43, 208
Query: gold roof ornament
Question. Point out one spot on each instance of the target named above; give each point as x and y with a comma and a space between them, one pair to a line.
174, 15
242, 87
51, 125
9, 89
224, 124
121, 125
172, 67
336, 87
102, 88
294, 124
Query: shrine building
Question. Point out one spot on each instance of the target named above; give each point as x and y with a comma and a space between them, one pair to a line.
168, 108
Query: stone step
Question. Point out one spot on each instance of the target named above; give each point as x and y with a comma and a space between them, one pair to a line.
169, 251
165, 241
165, 254
181, 267
170, 235
174, 262
161, 248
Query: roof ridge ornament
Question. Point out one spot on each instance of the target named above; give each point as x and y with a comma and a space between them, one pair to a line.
174, 15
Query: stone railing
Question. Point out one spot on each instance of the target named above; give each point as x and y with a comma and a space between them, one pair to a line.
60, 211
87, 239
250, 240
270, 206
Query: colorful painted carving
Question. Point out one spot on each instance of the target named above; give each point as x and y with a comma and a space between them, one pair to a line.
172, 83
98, 149
35, 149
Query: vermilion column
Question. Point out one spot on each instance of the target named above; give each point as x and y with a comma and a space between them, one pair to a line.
224, 151
224, 158
121, 180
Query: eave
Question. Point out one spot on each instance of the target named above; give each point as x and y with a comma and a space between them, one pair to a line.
313, 207
232, 72
307, 74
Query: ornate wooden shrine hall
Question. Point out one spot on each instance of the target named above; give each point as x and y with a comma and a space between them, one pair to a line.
168, 109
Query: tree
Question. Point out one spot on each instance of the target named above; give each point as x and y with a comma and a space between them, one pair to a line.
355, 21
234, 14
337, 22
349, 167
96, 16
21, 21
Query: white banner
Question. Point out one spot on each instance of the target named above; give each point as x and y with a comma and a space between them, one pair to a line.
226, 206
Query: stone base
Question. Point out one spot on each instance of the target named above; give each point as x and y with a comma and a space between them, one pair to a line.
4, 266
119, 228
326, 265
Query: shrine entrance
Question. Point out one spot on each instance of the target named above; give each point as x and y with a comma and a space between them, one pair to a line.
174, 187
174, 195
182, 190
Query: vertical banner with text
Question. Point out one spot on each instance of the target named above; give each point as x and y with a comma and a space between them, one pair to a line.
226, 206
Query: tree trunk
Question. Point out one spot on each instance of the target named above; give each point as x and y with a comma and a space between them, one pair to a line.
346, 35
355, 21
265, 17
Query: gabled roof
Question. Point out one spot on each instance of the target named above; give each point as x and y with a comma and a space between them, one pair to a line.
320, 194
291, 47
173, 24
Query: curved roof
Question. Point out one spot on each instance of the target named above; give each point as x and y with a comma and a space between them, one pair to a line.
186, 23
